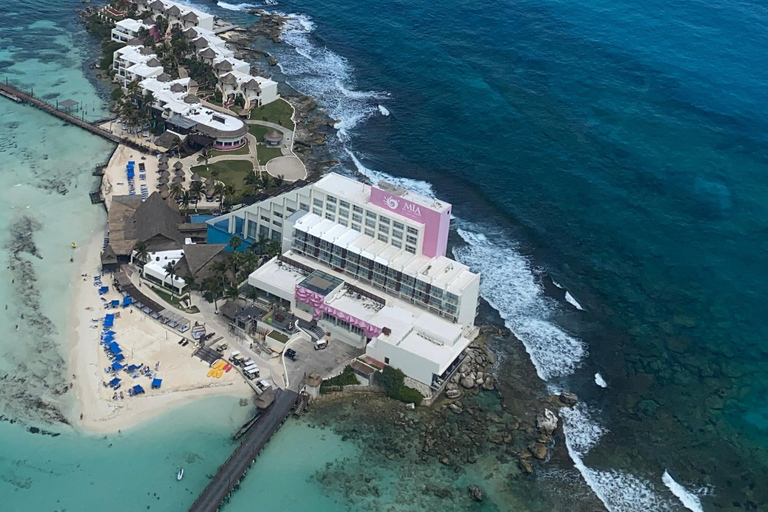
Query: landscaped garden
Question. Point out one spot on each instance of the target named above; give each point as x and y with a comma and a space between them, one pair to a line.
279, 111
265, 154
239, 151
230, 172
259, 131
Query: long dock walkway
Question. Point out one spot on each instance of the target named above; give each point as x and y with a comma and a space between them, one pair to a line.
20, 96
234, 468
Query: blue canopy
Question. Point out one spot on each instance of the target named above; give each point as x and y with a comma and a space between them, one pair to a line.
115, 303
117, 366
132, 367
109, 333
103, 290
109, 320
137, 389
156, 383
130, 173
119, 357
108, 338
114, 347
114, 382
127, 301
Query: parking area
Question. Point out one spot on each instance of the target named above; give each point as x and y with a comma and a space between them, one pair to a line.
323, 362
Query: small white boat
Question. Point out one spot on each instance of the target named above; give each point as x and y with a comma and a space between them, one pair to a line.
180, 475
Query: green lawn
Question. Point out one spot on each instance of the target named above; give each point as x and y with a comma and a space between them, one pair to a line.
265, 154
239, 151
172, 300
232, 172
259, 131
279, 111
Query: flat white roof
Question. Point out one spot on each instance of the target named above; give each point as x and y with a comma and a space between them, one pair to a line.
278, 275
131, 25
443, 355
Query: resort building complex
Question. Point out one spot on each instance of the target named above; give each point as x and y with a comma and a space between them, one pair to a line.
368, 265
176, 101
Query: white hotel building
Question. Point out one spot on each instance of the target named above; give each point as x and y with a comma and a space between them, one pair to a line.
368, 265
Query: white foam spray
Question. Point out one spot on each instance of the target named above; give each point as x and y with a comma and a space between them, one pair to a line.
383, 110
572, 301
600, 381
236, 7
687, 498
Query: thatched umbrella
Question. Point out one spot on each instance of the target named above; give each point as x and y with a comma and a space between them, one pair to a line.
163, 180
164, 188
179, 172
165, 174
178, 165
178, 179
196, 177
164, 194
162, 166
164, 158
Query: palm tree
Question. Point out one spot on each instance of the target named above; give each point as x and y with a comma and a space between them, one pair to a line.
205, 155
176, 190
219, 190
189, 279
273, 248
170, 270
185, 199
252, 179
141, 252
235, 242
232, 293
259, 245
279, 181
212, 287
266, 181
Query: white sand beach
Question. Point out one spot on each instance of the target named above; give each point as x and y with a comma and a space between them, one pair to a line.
143, 340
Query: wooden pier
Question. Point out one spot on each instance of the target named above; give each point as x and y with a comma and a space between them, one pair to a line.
232, 471
20, 96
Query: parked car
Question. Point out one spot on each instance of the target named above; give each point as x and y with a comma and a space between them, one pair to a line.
291, 354
321, 344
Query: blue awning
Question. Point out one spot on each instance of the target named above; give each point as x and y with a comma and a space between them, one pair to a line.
119, 357
108, 339
109, 333
115, 348
117, 366
138, 389
156, 383
127, 301
103, 290
132, 367
114, 382
115, 303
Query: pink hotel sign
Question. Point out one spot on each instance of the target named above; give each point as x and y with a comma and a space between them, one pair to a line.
436, 224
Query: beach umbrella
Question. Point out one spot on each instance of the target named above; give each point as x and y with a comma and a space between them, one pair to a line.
177, 179
163, 157
163, 166
178, 165
163, 188
164, 194
165, 174
162, 180
178, 172
196, 177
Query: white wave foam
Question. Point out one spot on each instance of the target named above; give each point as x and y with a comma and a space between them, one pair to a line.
557, 284
383, 110
572, 301
418, 186
687, 498
324, 75
600, 381
619, 491
510, 287
236, 7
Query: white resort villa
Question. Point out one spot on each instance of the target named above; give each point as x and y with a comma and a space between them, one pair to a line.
367, 264
176, 100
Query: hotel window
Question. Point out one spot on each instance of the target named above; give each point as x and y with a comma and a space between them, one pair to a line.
356, 227
317, 211
278, 224
304, 206
277, 214
343, 212
370, 223
384, 229
357, 209
331, 199
397, 234
344, 204
264, 231
330, 208
370, 215
384, 220
343, 222
318, 202
452, 297
329, 216
383, 238
410, 249
369, 232
252, 229
357, 218
264, 218
398, 225
397, 243
412, 230
410, 239
290, 210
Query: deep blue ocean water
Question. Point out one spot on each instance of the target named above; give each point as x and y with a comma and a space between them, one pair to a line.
613, 150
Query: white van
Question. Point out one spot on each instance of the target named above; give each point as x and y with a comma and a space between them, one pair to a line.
321, 344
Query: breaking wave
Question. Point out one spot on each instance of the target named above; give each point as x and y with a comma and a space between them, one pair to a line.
326, 76
237, 7
383, 110
572, 301
600, 381
687, 498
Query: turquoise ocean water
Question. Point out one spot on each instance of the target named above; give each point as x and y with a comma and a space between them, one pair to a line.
615, 150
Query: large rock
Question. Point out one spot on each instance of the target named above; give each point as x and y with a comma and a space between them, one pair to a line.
539, 451
488, 384
468, 382
453, 393
546, 422
525, 466
569, 399
456, 407
475, 492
